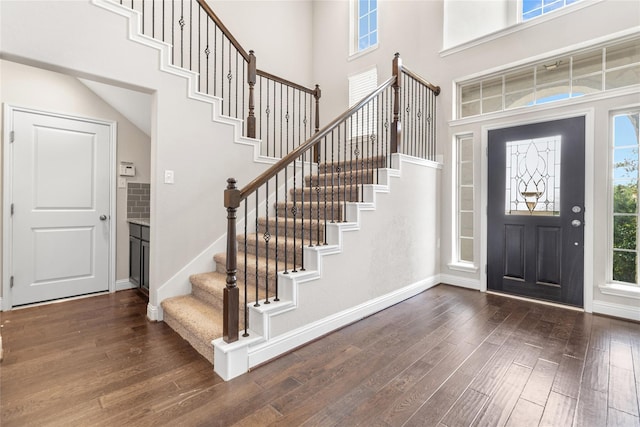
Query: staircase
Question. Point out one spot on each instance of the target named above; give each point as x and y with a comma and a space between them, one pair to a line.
197, 317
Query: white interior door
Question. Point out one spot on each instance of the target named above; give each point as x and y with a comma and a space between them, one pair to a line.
61, 207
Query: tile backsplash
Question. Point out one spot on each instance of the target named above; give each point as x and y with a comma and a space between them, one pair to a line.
138, 200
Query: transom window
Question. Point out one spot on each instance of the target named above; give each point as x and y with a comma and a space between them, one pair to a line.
579, 74
533, 8
625, 231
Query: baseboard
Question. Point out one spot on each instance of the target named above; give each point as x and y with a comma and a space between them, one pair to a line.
153, 313
462, 282
276, 346
124, 284
617, 310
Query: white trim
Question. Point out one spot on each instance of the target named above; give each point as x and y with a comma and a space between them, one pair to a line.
124, 284
617, 310
589, 184
153, 313
7, 196
520, 26
465, 267
618, 289
461, 282
231, 361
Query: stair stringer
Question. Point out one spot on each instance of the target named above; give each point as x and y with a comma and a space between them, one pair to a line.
135, 34
282, 326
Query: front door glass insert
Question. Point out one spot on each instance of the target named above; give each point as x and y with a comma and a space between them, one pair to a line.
533, 177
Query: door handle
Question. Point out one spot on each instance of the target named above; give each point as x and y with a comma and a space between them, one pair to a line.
576, 223
103, 217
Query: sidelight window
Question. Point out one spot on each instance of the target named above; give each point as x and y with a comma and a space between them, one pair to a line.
464, 252
624, 220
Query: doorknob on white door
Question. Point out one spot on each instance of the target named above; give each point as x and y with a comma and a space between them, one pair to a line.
103, 217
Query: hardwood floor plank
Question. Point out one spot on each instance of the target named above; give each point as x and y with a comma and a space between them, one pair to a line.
620, 354
596, 370
539, 384
622, 390
439, 403
568, 376
525, 413
578, 341
600, 333
558, 411
263, 416
617, 418
591, 409
500, 405
465, 409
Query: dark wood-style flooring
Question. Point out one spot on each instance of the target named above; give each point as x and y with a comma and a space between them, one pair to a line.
447, 357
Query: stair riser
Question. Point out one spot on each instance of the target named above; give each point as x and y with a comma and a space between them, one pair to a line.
251, 276
350, 194
311, 212
251, 249
352, 164
308, 228
340, 179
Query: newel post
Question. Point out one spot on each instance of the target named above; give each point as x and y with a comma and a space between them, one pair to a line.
396, 125
231, 294
251, 79
317, 93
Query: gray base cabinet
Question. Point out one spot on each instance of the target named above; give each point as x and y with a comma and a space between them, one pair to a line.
139, 256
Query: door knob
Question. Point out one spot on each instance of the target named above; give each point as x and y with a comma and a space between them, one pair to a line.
103, 217
576, 223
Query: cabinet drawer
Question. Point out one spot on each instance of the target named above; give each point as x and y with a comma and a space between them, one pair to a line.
135, 230
145, 233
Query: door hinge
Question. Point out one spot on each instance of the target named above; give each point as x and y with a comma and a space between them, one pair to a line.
12, 136
11, 282
11, 209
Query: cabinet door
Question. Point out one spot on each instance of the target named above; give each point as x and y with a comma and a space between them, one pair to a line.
144, 282
134, 260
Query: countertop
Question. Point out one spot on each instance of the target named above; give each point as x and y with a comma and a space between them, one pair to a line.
139, 221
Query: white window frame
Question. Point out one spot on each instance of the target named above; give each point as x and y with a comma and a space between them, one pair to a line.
543, 13
456, 262
612, 287
354, 13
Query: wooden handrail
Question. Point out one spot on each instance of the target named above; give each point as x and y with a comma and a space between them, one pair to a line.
297, 152
285, 82
434, 88
223, 28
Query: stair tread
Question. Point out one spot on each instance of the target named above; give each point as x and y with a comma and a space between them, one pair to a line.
214, 283
201, 319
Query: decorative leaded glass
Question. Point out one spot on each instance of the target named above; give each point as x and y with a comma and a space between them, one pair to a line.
533, 176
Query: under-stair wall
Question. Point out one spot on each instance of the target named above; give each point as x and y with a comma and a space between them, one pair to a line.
188, 135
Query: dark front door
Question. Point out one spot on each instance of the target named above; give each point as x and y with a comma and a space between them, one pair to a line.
536, 211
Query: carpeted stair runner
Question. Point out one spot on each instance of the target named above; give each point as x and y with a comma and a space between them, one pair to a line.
197, 317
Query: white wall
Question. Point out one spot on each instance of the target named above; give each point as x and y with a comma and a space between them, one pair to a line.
465, 20
279, 31
36, 88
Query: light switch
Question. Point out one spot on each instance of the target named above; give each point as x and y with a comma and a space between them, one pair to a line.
122, 182
168, 177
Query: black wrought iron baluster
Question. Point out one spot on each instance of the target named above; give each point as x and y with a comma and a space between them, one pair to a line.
229, 78
207, 52
277, 221
199, 48
173, 33
256, 253
260, 109
267, 237
287, 126
181, 22
246, 290
153, 19
294, 212
163, 21
302, 220
286, 220
318, 191
143, 17
335, 168
325, 141
275, 106
311, 200
344, 169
